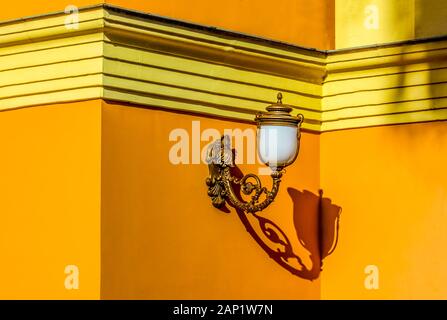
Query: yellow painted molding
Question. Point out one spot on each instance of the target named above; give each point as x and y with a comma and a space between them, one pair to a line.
229, 53
396, 83
41, 28
386, 119
122, 55
374, 57
149, 62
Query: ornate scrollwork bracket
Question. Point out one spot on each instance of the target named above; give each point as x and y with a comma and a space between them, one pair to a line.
221, 182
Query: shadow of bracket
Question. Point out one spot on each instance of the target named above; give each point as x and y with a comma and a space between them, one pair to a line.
316, 222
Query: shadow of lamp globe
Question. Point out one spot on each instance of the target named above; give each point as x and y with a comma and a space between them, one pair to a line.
278, 143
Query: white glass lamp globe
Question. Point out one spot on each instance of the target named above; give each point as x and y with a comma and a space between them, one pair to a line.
278, 135
278, 145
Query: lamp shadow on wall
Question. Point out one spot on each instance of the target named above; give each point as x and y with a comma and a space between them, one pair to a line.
316, 222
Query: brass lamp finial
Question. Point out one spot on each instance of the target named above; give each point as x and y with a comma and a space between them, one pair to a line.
279, 97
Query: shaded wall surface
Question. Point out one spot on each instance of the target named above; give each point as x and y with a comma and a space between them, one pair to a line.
390, 182
367, 22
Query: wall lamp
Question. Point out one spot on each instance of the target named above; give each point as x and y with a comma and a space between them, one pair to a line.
278, 142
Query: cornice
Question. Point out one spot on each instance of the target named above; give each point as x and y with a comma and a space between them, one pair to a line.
125, 55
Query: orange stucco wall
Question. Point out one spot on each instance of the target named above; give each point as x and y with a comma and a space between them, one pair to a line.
390, 182
50, 200
90, 184
162, 238
304, 22
10, 10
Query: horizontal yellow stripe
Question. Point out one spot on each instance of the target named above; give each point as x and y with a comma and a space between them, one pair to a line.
383, 71
385, 96
50, 72
50, 85
376, 110
51, 44
51, 56
380, 120
172, 104
70, 95
378, 52
204, 98
48, 33
388, 81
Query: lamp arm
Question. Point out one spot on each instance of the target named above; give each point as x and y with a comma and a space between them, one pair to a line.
221, 183
249, 187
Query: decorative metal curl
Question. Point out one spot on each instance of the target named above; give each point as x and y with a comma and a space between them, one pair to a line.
220, 182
